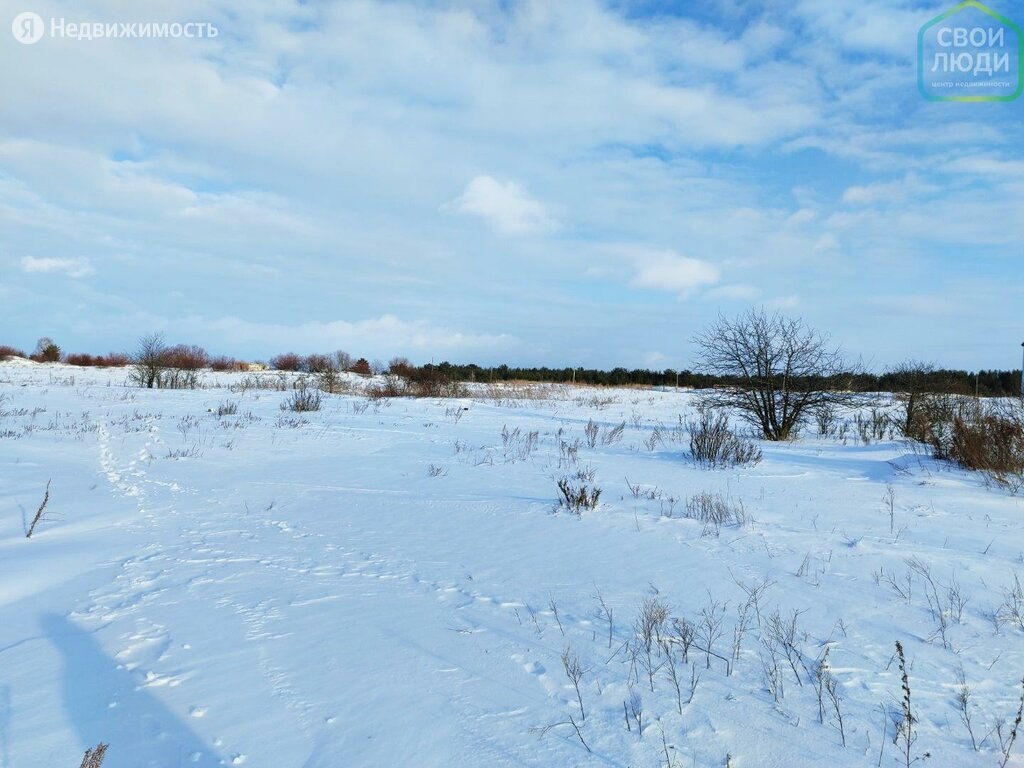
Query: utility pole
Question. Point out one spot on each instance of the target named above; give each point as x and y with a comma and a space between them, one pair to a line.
1022, 371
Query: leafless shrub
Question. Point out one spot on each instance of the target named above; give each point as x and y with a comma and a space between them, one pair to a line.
553, 606
606, 612
571, 721
990, 439
785, 636
227, 408
574, 671
818, 675
277, 382
872, 426
568, 453
771, 667
222, 363
455, 413
714, 511
936, 606
747, 613
518, 445
179, 378
636, 711
577, 494
425, 381
714, 444
890, 503
40, 513
591, 431
291, 422
647, 631
289, 361
1006, 742
653, 440
1012, 607
390, 385
110, 360
188, 452
963, 702
595, 401
303, 399
186, 357
905, 721
826, 416
613, 435
329, 378
671, 664
683, 636
827, 689
709, 630
902, 587
512, 393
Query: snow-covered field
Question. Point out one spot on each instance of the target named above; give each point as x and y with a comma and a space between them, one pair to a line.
388, 584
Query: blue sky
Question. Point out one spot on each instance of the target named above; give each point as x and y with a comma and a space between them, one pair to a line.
527, 181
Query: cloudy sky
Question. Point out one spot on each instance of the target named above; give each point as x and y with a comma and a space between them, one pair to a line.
564, 182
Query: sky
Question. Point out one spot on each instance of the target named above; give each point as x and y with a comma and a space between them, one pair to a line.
532, 182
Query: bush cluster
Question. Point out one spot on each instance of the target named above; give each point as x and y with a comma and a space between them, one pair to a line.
989, 438
404, 379
112, 360
303, 399
978, 434
713, 442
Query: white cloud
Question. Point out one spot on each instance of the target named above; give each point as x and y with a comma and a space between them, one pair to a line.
985, 166
69, 267
827, 243
507, 207
668, 271
801, 217
868, 194
655, 359
783, 303
383, 336
734, 292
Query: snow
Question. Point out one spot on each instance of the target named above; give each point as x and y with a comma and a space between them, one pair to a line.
260, 589
21, 361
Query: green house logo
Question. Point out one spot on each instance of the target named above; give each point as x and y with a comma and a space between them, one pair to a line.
970, 53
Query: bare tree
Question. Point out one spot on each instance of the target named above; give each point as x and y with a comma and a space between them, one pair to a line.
574, 671
923, 393
46, 351
149, 360
94, 756
780, 371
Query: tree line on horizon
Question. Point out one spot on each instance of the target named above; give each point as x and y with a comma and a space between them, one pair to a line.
984, 383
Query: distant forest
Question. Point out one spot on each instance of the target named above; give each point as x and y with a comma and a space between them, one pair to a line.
191, 357
983, 383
